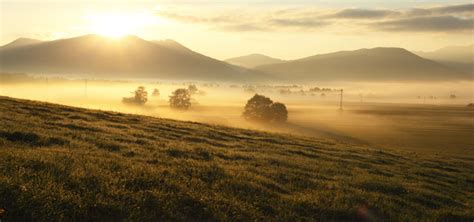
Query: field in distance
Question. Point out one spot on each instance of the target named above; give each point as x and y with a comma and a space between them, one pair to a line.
82, 164
402, 116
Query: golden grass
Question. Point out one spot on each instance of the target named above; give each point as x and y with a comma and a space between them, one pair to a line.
71, 164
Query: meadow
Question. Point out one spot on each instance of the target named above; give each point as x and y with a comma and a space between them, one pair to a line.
76, 164
416, 117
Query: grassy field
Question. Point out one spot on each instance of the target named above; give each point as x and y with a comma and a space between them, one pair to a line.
72, 164
389, 117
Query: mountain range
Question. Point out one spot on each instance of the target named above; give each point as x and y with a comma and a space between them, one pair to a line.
133, 57
376, 64
127, 57
458, 57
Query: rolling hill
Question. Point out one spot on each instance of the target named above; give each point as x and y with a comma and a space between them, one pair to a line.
377, 64
253, 60
63, 163
19, 43
458, 57
129, 57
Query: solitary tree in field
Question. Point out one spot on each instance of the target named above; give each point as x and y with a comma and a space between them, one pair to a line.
180, 99
140, 96
263, 109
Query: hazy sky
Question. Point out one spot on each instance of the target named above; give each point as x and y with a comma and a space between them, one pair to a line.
222, 29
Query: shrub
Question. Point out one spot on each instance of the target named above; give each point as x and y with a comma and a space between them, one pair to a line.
156, 92
180, 99
263, 109
193, 89
279, 112
140, 96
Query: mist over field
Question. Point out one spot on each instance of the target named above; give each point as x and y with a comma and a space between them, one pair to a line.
237, 110
390, 115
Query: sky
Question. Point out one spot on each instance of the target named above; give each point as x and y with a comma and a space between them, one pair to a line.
223, 29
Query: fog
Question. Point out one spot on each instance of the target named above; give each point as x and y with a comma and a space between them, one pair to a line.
409, 116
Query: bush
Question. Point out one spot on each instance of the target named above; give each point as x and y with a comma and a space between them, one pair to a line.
180, 99
193, 89
279, 112
140, 96
156, 92
263, 109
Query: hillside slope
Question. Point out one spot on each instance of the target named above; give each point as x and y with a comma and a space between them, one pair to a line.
253, 60
19, 43
127, 57
72, 164
377, 64
451, 53
458, 57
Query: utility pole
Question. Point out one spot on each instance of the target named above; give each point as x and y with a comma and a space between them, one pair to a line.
47, 89
1, 84
340, 101
85, 87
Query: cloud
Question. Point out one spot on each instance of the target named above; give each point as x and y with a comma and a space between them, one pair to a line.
455, 9
433, 19
194, 19
418, 12
429, 23
242, 28
362, 14
242, 21
299, 23
467, 9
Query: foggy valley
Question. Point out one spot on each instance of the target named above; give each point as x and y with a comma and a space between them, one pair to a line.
390, 115
237, 110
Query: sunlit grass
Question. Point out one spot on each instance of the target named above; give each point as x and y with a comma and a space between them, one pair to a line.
67, 163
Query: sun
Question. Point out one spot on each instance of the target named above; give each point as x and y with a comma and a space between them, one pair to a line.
119, 24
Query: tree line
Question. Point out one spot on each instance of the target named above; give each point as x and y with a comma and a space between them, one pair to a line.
258, 108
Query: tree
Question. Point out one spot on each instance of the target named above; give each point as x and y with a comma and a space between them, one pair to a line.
156, 92
180, 99
279, 112
263, 109
193, 89
140, 96
285, 91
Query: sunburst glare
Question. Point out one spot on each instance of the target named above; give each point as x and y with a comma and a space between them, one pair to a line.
118, 24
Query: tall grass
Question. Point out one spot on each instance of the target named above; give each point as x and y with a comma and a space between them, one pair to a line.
69, 164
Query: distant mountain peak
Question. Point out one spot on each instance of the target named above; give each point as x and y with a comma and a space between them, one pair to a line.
129, 56
373, 64
20, 42
105, 38
26, 40
253, 60
458, 57
172, 44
